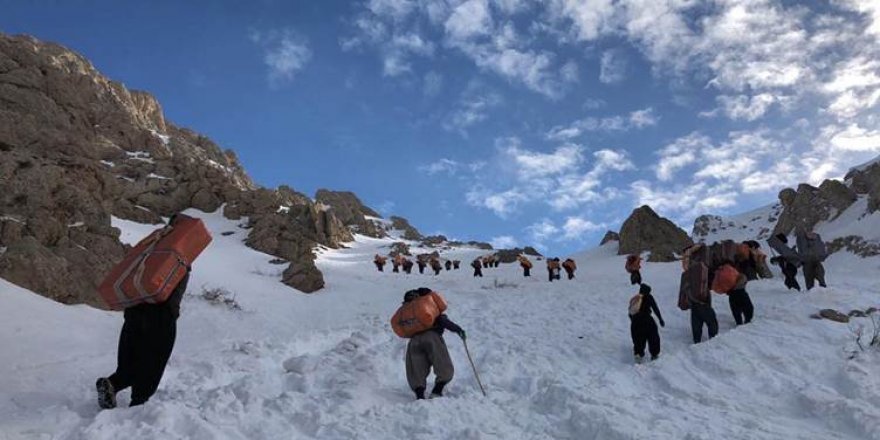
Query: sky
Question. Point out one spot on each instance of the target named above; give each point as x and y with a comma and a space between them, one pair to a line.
518, 122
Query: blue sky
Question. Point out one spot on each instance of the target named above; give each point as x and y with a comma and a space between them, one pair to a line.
517, 121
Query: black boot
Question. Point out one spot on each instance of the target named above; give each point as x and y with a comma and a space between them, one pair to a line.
438, 389
106, 393
420, 393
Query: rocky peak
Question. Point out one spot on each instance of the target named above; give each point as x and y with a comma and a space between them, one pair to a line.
409, 232
645, 230
349, 208
609, 236
805, 207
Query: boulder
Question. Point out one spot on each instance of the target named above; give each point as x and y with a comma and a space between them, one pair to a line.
834, 315
305, 278
645, 231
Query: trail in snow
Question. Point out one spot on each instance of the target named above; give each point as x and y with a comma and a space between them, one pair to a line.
555, 358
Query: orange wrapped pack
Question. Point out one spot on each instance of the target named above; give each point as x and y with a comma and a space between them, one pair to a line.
725, 279
153, 268
417, 315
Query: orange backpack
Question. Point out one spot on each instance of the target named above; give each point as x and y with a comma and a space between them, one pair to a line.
417, 315
725, 279
633, 263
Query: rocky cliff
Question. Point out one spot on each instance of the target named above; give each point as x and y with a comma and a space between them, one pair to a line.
645, 231
351, 211
77, 148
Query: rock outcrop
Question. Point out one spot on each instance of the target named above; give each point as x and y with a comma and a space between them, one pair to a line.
349, 208
409, 232
645, 231
510, 255
77, 148
865, 180
807, 206
609, 237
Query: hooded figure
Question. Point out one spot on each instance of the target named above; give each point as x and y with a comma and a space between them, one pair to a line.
642, 327
427, 350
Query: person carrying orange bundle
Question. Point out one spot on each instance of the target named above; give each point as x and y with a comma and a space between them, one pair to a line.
436, 266
422, 320
149, 284
396, 262
553, 269
526, 265
570, 266
634, 267
380, 261
407, 265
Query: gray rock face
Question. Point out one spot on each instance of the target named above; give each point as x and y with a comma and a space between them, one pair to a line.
409, 232
349, 208
510, 255
77, 148
644, 230
867, 181
609, 236
806, 207
399, 248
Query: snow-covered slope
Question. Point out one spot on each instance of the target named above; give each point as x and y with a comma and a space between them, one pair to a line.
555, 358
753, 225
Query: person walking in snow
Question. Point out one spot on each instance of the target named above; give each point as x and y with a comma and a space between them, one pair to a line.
379, 261
642, 327
813, 252
570, 267
436, 266
702, 314
634, 267
456, 264
477, 264
407, 266
740, 304
496, 261
427, 350
145, 345
448, 265
422, 265
553, 269
526, 265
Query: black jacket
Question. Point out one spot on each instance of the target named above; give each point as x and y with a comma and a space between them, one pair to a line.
171, 305
648, 305
443, 323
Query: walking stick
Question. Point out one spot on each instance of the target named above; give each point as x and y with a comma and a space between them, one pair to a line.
476, 375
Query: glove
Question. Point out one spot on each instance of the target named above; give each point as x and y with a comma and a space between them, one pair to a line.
462, 335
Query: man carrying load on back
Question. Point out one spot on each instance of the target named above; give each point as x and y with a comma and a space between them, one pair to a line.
812, 251
422, 320
151, 309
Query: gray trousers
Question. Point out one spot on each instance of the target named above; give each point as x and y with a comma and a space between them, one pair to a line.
426, 350
814, 272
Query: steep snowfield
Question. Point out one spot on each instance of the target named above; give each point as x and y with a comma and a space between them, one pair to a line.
555, 358
753, 225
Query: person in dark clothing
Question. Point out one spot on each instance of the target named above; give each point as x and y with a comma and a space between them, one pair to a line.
570, 267
456, 264
427, 350
643, 329
478, 267
814, 272
436, 267
145, 345
407, 266
635, 277
422, 265
448, 265
789, 271
379, 261
553, 269
496, 261
703, 314
740, 304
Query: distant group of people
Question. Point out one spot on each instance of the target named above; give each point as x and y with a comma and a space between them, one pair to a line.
725, 268
400, 262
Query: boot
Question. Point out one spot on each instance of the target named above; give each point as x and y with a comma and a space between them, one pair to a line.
438, 389
106, 393
420, 393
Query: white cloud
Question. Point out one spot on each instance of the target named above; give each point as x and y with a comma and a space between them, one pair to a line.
635, 120
504, 242
442, 166
680, 154
612, 67
433, 83
744, 107
473, 107
542, 230
469, 19
856, 139
575, 227
284, 52
532, 164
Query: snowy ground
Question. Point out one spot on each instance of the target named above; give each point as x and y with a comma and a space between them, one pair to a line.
555, 358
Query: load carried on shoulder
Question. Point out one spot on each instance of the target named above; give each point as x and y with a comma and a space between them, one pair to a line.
633, 263
154, 267
417, 314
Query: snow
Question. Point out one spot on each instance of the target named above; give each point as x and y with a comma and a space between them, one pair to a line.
283, 209
866, 165
108, 163
555, 357
166, 140
752, 225
76, 225
156, 176
142, 156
